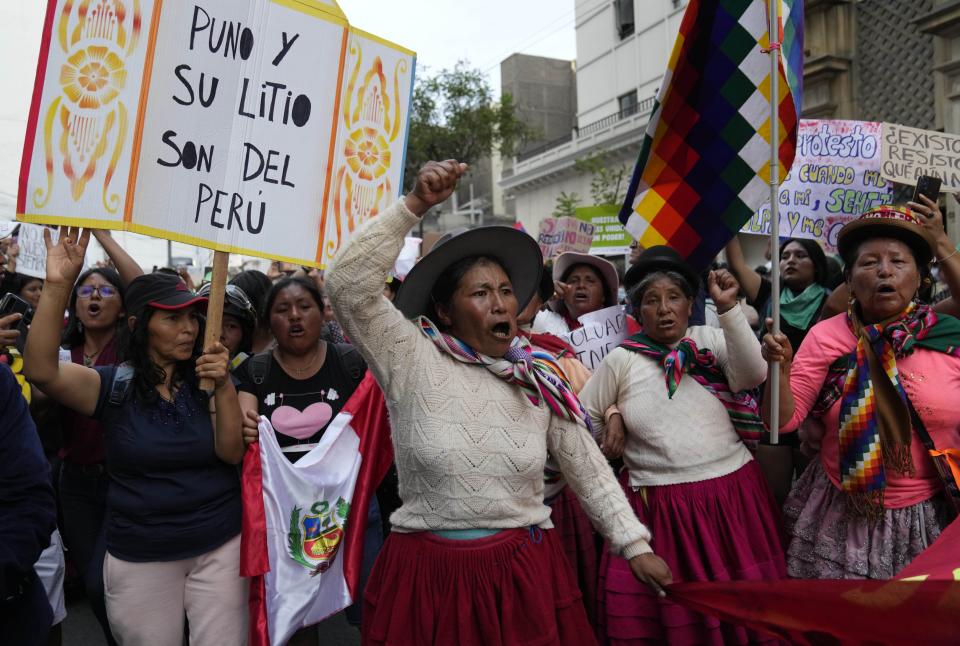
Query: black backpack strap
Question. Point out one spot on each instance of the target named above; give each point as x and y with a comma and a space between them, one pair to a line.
351, 360
260, 367
122, 380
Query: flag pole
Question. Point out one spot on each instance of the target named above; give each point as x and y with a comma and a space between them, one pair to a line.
774, 382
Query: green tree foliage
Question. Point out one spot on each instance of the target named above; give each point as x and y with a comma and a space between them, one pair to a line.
608, 184
566, 205
454, 116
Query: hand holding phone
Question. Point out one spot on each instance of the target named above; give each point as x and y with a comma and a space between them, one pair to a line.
927, 186
15, 317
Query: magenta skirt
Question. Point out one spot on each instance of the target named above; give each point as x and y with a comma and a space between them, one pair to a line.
579, 544
724, 529
514, 587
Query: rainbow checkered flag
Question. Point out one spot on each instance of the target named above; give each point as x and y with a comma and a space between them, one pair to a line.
704, 168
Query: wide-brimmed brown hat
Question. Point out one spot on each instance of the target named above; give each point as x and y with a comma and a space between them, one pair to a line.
611, 282
887, 221
517, 253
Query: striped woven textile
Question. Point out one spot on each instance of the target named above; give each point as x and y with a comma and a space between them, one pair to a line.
704, 167
536, 373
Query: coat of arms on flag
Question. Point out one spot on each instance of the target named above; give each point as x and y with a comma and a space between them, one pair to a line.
314, 538
704, 167
304, 523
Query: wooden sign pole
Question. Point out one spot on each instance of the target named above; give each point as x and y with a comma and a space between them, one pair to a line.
218, 287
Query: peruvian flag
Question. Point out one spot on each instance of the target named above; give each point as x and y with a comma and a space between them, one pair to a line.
303, 523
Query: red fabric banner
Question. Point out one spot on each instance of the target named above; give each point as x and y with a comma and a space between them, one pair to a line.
921, 606
254, 558
371, 423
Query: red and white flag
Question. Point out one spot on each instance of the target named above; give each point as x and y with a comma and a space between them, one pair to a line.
303, 523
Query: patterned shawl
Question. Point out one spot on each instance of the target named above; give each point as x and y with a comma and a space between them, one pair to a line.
537, 374
701, 364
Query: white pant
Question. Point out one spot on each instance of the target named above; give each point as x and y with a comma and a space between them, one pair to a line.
146, 602
51, 568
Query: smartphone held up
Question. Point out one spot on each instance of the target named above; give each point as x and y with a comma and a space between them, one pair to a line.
928, 187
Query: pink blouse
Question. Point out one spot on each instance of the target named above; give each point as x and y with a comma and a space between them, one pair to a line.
931, 380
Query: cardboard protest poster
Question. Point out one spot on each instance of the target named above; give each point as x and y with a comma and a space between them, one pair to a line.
909, 153
835, 177
602, 331
263, 127
564, 234
609, 235
32, 257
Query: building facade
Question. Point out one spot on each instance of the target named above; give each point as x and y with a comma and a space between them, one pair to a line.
622, 52
878, 60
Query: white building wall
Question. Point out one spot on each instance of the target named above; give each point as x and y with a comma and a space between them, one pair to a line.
607, 67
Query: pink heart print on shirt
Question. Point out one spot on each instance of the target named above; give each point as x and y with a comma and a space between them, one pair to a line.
301, 424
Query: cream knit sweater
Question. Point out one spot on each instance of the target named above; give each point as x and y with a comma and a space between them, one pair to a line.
470, 448
688, 438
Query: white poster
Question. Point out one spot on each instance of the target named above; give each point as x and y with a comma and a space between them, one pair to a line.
835, 177
268, 128
602, 331
32, 258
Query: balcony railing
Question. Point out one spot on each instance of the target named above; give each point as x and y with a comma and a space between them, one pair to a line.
638, 108
533, 152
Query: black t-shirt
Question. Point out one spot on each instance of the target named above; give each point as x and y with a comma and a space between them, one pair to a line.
301, 409
170, 497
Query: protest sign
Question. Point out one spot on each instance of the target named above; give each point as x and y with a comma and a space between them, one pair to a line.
407, 258
269, 128
602, 331
609, 235
564, 234
909, 153
32, 257
835, 177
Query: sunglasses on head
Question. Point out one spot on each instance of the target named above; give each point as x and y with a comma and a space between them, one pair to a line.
104, 291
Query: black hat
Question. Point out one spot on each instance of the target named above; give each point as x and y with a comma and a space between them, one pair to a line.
235, 303
161, 291
517, 252
546, 288
660, 258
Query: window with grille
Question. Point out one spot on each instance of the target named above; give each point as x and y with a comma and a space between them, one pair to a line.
627, 104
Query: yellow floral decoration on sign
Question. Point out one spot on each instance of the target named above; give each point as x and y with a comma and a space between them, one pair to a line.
371, 116
87, 117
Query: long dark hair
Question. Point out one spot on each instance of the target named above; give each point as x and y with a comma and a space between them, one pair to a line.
821, 272
133, 348
256, 285
308, 286
73, 334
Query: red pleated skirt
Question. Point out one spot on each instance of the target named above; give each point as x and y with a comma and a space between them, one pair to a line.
579, 543
514, 587
723, 529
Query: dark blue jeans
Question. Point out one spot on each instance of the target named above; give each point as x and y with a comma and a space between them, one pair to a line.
83, 504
